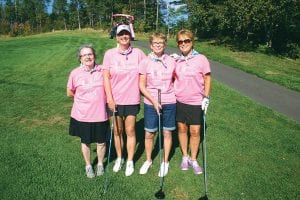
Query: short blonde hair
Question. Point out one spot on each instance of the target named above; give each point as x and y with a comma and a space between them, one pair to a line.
158, 35
185, 32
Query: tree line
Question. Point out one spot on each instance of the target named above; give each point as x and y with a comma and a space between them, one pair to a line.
244, 24
249, 23
23, 17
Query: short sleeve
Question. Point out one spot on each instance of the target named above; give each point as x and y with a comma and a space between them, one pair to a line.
205, 65
70, 83
143, 66
106, 60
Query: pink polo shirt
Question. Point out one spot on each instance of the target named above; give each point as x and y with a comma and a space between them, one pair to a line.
124, 75
159, 77
189, 82
89, 99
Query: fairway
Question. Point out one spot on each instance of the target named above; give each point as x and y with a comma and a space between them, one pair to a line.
252, 151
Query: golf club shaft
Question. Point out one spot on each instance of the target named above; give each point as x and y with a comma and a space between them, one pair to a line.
159, 134
109, 149
204, 153
111, 134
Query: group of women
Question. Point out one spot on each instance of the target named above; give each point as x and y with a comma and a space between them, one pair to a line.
175, 88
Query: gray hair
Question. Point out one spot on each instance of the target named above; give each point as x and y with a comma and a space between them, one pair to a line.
88, 46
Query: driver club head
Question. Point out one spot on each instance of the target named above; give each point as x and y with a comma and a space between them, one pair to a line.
203, 197
160, 194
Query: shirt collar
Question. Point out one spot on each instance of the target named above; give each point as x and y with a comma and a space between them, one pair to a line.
126, 52
191, 55
95, 68
161, 59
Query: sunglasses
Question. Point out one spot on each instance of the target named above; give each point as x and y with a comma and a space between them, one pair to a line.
186, 41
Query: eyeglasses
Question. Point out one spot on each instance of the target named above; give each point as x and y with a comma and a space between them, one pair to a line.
87, 54
186, 41
158, 43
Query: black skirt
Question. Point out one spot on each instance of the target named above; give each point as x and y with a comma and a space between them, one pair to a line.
89, 132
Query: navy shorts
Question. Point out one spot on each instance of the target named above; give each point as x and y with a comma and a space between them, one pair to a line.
190, 114
124, 110
167, 118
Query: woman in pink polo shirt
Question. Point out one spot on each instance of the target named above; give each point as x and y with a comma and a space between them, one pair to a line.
157, 73
192, 88
121, 81
89, 119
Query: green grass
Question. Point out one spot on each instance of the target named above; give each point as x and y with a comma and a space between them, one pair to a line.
280, 70
253, 152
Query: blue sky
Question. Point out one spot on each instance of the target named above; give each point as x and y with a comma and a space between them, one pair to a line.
171, 5
49, 9
172, 21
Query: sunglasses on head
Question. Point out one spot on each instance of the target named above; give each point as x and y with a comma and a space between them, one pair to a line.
186, 41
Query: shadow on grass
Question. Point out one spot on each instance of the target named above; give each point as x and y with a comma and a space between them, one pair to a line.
140, 139
112, 150
140, 143
155, 153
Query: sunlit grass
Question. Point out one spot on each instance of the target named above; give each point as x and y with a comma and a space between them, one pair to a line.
253, 152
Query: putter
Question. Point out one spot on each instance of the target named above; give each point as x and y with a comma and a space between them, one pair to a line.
160, 194
204, 159
109, 151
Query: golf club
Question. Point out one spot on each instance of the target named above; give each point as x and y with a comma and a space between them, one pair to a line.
204, 159
109, 151
160, 194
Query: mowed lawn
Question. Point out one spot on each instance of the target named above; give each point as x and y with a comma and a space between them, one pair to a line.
252, 151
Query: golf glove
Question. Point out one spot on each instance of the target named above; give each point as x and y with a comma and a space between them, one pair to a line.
205, 103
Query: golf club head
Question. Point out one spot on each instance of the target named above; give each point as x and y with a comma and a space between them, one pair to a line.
203, 197
104, 189
107, 184
160, 194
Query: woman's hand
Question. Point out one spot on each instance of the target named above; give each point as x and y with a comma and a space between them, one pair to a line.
112, 105
157, 107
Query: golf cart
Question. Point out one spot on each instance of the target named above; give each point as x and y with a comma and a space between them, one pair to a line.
119, 19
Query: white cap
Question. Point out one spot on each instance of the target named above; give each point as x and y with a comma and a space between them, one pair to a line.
123, 27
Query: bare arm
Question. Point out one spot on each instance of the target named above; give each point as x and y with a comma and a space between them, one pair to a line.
70, 93
143, 89
207, 84
107, 88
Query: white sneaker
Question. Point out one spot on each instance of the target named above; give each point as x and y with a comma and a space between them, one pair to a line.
129, 168
118, 164
89, 171
164, 168
145, 167
100, 170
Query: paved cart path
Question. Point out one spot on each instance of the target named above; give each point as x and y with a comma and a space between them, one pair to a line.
276, 97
